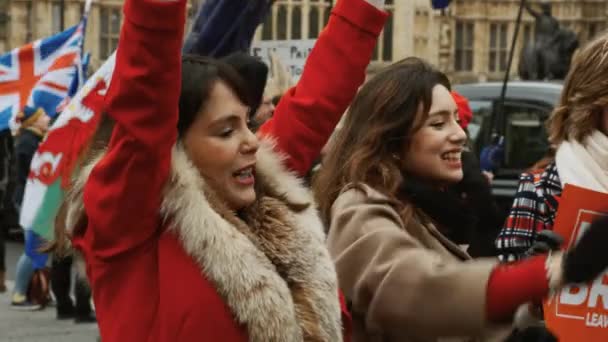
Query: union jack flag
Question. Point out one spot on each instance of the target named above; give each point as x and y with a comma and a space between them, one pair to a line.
39, 74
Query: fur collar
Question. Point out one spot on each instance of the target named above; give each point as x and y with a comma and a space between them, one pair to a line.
270, 265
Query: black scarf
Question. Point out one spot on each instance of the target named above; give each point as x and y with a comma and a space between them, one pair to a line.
445, 208
465, 212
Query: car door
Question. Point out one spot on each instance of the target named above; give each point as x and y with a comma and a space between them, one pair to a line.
525, 135
525, 143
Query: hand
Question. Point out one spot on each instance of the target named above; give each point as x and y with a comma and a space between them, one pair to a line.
589, 257
545, 241
489, 176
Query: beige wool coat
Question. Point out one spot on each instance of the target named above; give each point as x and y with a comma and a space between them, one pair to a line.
405, 281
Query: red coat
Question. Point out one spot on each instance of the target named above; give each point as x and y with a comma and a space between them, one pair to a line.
156, 247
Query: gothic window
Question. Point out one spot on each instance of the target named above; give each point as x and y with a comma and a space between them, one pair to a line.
498, 47
296, 19
296, 22
29, 34
56, 17
313, 22
110, 20
384, 48
267, 28
463, 60
282, 22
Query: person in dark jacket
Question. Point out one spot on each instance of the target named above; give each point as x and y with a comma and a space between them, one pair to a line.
8, 215
61, 276
34, 124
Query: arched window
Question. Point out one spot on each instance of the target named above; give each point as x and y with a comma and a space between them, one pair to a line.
387, 39
384, 48
296, 22
327, 12
296, 19
111, 18
282, 22
267, 28
313, 22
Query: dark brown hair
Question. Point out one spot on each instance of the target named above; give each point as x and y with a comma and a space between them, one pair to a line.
199, 75
378, 127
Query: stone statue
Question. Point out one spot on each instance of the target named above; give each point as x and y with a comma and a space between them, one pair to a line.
549, 56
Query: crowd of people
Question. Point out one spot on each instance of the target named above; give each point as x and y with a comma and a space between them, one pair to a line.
197, 215
33, 264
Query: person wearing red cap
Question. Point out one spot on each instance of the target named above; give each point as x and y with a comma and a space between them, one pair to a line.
465, 114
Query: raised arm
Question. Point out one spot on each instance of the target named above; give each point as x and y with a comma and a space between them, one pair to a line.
122, 195
531, 10
223, 27
308, 113
388, 273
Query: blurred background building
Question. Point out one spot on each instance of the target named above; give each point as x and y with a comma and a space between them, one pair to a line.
470, 40
28, 20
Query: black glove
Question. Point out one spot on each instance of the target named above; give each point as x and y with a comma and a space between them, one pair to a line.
589, 257
544, 242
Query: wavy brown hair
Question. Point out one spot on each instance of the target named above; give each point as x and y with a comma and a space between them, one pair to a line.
378, 127
584, 95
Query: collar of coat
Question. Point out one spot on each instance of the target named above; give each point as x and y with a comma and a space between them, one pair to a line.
269, 264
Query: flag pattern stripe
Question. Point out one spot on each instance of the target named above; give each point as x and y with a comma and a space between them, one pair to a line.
39, 74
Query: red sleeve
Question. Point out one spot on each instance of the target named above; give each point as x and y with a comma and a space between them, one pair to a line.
123, 193
511, 285
308, 113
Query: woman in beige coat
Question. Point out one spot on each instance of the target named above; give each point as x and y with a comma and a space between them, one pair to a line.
379, 191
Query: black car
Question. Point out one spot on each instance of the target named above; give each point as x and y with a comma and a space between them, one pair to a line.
527, 106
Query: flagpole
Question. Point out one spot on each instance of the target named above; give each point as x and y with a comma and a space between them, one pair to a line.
498, 127
85, 18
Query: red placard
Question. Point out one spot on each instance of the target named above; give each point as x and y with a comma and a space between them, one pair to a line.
579, 312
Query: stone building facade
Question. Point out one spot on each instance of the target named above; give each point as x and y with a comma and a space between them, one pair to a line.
470, 40
482, 31
34, 19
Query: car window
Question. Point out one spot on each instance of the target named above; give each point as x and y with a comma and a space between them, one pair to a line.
525, 135
479, 127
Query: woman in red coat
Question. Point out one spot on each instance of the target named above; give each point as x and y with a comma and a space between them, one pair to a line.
204, 232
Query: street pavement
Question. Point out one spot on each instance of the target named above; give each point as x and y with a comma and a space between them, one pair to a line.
36, 326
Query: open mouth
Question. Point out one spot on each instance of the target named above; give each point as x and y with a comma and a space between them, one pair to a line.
245, 176
453, 157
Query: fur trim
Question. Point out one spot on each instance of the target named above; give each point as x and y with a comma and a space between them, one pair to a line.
75, 204
277, 276
269, 164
